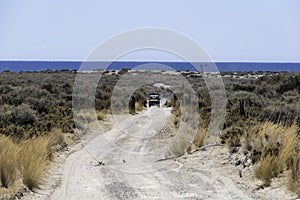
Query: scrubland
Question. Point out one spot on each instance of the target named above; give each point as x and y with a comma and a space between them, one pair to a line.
36, 120
262, 122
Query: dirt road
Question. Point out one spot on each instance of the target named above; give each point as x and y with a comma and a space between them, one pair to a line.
130, 151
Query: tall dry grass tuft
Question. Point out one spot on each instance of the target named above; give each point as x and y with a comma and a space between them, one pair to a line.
85, 119
200, 137
56, 142
278, 145
264, 170
8, 161
198, 141
100, 115
34, 161
266, 134
291, 153
28, 160
138, 106
294, 174
177, 147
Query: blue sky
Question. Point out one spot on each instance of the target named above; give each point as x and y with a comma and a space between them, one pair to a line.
231, 30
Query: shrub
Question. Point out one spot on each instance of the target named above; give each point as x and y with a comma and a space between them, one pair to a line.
294, 175
33, 158
85, 120
290, 154
279, 146
265, 168
24, 115
200, 137
100, 115
16, 132
231, 134
56, 142
248, 88
176, 121
138, 106
8, 161
291, 84
67, 127
30, 158
289, 147
198, 141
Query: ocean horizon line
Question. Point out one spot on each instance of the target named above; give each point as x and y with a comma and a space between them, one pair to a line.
177, 61
40, 65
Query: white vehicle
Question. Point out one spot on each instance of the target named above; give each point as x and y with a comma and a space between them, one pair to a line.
154, 99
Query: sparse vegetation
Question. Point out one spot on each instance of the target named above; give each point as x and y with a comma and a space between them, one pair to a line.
261, 123
27, 160
264, 170
34, 103
262, 119
8, 161
276, 145
138, 106
101, 115
36, 112
294, 174
34, 161
198, 141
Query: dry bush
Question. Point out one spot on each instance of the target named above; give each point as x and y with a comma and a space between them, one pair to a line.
232, 137
264, 170
101, 115
8, 161
294, 174
186, 138
294, 186
245, 145
200, 137
177, 148
176, 115
179, 144
176, 121
138, 106
34, 161
85, 119
289, 147
198, 141
29, 159
56, 137
35, 155
279, 146
56, 142
269, 135
231, 134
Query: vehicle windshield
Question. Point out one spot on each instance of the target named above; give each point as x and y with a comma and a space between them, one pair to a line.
154, 96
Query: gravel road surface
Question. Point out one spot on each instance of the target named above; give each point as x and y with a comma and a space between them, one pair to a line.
130, 151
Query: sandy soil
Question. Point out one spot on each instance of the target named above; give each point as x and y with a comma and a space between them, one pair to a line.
130, 151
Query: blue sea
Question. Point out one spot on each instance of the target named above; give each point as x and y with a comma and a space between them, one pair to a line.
16, 66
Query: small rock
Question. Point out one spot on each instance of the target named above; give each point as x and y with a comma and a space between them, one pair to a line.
238, 162
19, 195
100, 163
